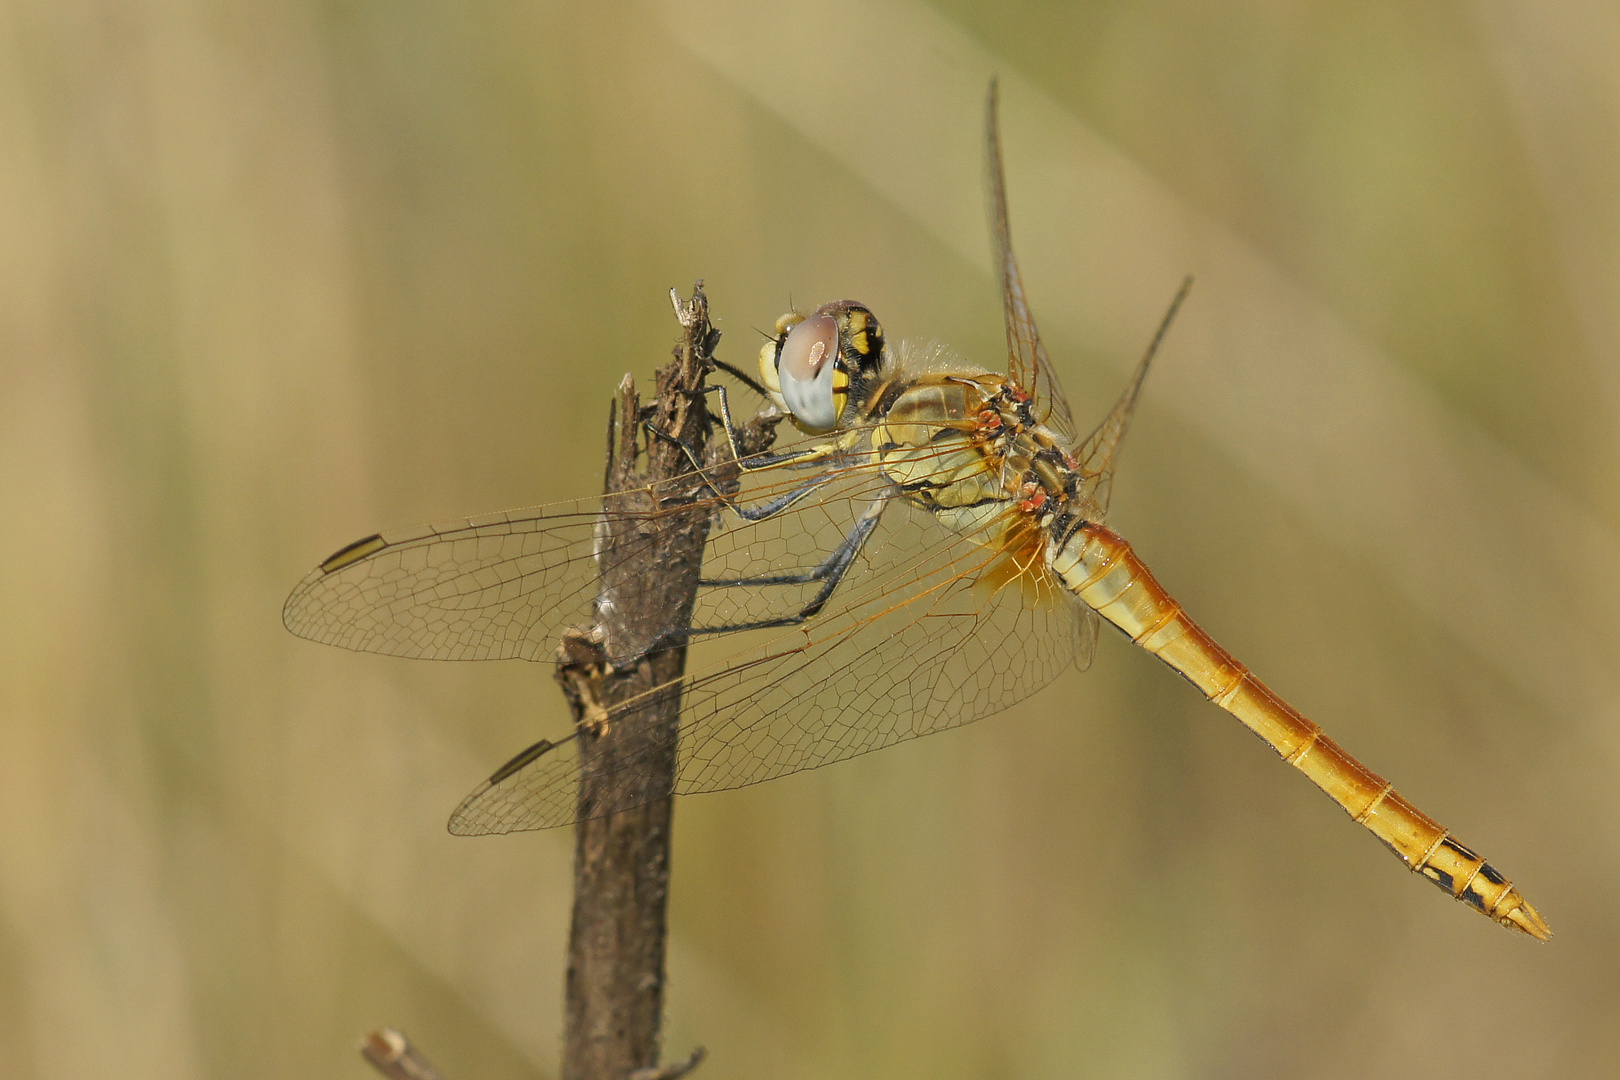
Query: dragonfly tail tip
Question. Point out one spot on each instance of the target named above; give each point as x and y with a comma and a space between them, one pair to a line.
1527, 919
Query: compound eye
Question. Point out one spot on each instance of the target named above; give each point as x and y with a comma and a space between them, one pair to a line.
805, 366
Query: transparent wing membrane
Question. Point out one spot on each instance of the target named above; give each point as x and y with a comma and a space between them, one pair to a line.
1027, 362
1098, 453
488, 588
932, 629
884, 582
836, 613
503, 585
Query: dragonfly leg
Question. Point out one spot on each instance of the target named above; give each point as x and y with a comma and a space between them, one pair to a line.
758, 462
748, 513
685, 448
830, 573
771, 507
742, 377
805, 456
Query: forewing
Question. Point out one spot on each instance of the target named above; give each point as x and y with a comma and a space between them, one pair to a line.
503, 586
932, 629
486, 588
1027, 361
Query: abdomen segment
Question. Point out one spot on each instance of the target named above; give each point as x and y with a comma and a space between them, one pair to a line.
1100, 567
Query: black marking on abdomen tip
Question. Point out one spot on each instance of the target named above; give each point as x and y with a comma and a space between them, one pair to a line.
1461, 850
1440, 877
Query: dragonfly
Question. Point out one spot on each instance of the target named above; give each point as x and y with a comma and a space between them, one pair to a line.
929, 549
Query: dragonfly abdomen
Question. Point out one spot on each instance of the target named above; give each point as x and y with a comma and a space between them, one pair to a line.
1101, 568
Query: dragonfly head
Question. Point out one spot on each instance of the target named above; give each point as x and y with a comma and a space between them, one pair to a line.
812, 362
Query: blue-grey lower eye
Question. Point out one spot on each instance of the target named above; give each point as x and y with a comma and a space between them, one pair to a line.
805, 367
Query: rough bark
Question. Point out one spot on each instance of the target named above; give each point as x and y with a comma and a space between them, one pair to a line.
615, 982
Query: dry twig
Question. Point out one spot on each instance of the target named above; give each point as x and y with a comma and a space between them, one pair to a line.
615, 986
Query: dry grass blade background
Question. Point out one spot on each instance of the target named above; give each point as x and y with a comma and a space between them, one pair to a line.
276, 276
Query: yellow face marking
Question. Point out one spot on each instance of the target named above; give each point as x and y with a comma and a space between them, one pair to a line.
858, 323
767, 358
767, 368
840, 383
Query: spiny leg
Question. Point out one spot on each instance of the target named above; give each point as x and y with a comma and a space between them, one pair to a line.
818, 452
769, 508
807, 456
742, 377
830, 573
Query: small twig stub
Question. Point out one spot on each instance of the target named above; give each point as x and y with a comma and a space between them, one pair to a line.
392, 1054
675, 1069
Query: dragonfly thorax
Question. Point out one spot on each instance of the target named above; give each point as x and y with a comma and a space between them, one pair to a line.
963, 444
966, 447
1037, 467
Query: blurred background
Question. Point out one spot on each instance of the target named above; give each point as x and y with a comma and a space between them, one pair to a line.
279, 274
